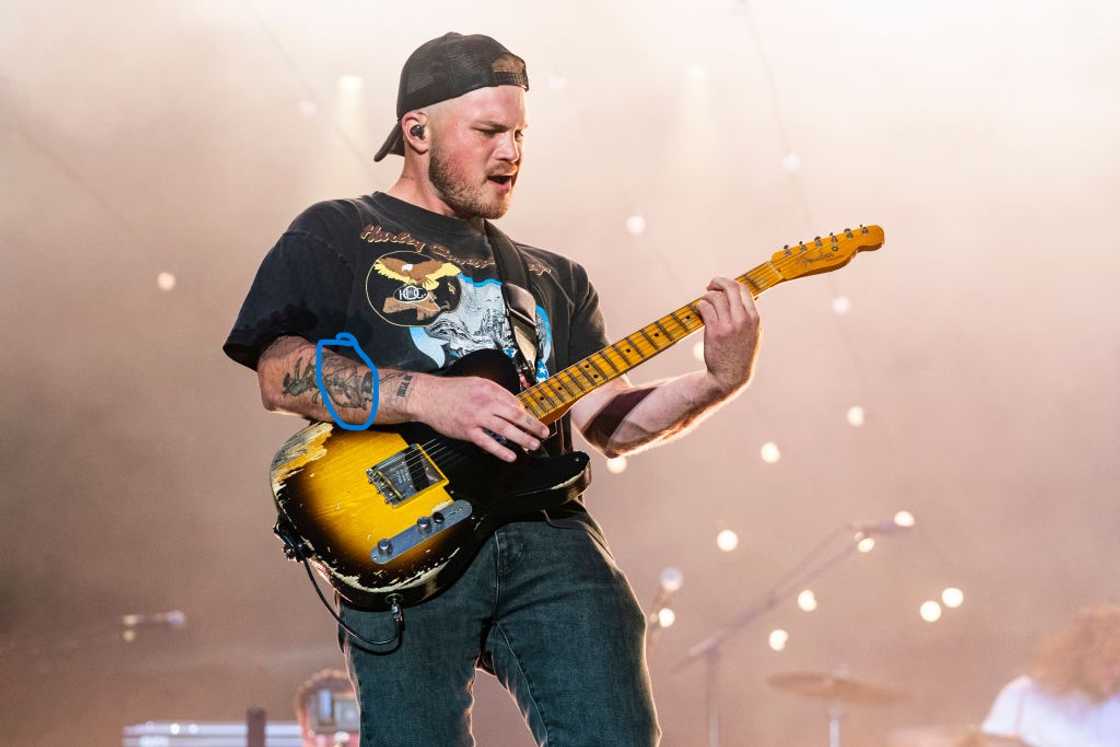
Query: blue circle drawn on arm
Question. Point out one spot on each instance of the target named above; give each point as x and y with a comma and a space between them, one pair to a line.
347, 340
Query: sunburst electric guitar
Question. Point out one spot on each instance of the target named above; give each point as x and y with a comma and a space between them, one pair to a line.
394, 514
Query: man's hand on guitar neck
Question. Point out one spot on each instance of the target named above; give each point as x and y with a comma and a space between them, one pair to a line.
620, 418
466, 408
731, 332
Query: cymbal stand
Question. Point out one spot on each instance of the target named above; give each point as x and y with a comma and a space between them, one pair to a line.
710, 649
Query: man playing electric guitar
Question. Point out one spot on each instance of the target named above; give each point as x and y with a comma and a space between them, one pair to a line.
411, 274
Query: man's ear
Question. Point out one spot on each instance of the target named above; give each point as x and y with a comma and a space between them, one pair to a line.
414, 127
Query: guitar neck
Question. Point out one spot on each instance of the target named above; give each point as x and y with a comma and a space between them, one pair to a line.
551, 398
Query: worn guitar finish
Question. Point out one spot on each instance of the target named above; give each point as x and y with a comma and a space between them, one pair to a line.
402, 510
322, 483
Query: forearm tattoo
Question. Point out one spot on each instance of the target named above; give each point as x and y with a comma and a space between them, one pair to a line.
396, 385
348, 384
405, 385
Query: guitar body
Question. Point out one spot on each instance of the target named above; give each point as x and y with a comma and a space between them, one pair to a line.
403, 510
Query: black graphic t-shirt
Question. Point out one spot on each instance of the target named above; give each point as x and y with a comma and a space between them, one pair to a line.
418, 290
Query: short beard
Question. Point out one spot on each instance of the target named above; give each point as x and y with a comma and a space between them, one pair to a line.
466, 202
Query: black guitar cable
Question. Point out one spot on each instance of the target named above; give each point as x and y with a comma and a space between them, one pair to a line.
296, 549
394, 601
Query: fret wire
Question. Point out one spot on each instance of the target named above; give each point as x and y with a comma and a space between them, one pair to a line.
548, 395
657, 323
623, 355
571, 377
558, 394
591, 362
576, 369
637, 348
526, 398
620, 366
602, 354
644, 334
566, 388
677, 319
687, 318
542, 391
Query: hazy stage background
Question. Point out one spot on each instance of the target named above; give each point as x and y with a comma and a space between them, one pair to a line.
669, 141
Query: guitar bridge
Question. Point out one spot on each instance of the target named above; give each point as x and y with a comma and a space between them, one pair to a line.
404, 475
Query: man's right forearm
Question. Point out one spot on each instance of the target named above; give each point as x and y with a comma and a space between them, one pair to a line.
286, 371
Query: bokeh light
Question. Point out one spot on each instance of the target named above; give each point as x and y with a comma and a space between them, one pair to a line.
778, 639
727, 540
930, 611
671, 579
698, 351
350, 83
855, 416
952, 597
807, 600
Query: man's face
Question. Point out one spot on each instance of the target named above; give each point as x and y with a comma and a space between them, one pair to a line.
476, 150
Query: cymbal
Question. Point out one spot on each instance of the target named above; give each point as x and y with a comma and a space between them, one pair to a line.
834, 687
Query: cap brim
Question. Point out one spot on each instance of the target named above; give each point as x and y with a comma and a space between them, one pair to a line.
393, 144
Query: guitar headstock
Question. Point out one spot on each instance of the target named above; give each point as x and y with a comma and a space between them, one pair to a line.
826, 253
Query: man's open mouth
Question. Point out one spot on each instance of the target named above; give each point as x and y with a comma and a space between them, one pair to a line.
502, 179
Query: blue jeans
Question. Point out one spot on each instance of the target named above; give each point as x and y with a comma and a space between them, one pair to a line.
542, 607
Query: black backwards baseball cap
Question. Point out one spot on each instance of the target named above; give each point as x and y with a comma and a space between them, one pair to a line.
446, 68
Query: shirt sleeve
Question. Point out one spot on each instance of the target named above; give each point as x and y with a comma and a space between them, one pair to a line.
301, 288
588, 332
1006, 715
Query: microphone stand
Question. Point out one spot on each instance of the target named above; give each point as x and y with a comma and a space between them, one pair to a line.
710, 649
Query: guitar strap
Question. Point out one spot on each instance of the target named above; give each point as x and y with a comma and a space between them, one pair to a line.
521, 306
521, 309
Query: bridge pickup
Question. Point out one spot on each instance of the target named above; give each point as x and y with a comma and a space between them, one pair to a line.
426, 527
404, 475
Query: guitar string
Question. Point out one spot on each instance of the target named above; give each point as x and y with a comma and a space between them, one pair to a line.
440, 445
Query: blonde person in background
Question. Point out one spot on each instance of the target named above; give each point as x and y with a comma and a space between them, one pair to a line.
1071, 697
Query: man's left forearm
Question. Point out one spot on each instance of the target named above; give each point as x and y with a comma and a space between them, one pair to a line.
667, 410
622, 419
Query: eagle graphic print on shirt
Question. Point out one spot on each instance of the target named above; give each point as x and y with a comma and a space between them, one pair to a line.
448, 313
